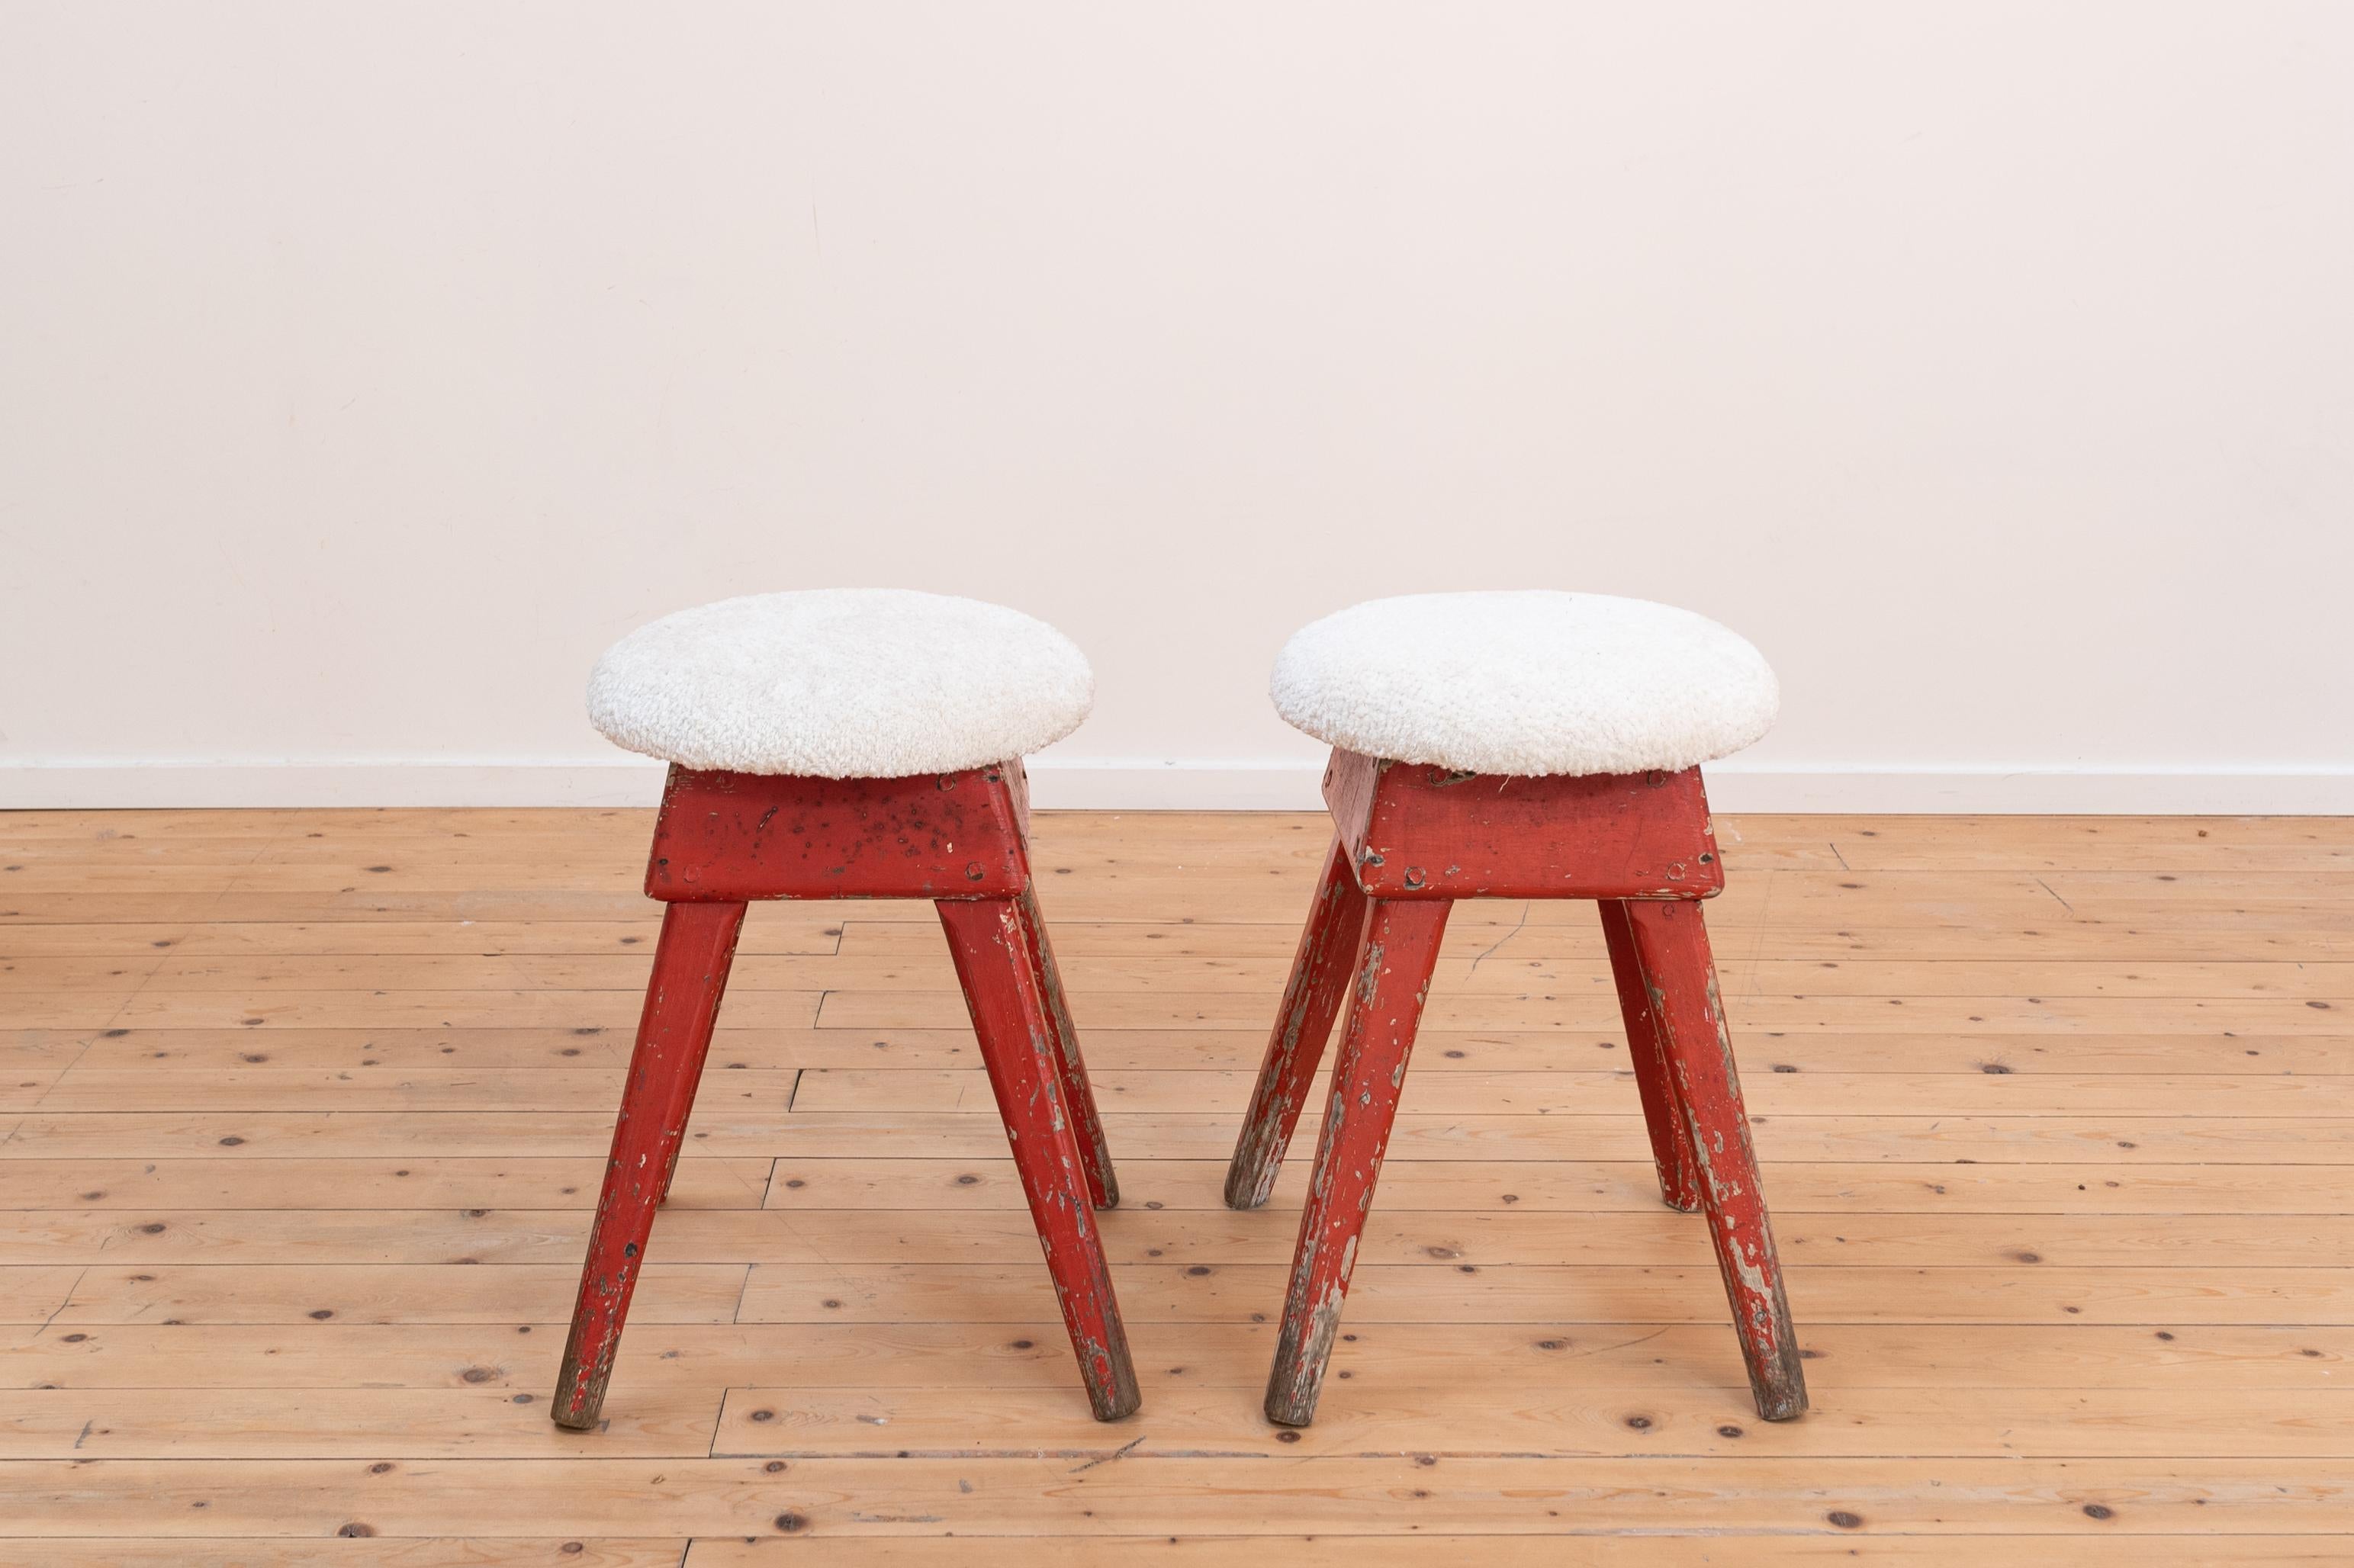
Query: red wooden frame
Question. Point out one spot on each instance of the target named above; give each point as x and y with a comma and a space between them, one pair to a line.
1312, 1000
958, 839
724, 836
1408, 841
1416, 832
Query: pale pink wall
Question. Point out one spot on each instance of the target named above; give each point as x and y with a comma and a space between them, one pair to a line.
364, 369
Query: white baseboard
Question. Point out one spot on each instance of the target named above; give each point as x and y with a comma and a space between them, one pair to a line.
1127, 785
2021, 791
124, 786
1121, 784
1732, 786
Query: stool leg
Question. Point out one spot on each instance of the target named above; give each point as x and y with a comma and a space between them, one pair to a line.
1401, 949
1078, 1094
1312, 999
691, 962
1017, 1043
1670, 1138
1671, 943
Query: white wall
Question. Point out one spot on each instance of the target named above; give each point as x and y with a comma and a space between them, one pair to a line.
366, 367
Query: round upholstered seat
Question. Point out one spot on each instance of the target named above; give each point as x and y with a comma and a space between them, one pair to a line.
841, 683
1529, 683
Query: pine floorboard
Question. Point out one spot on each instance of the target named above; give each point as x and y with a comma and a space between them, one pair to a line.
302, 1115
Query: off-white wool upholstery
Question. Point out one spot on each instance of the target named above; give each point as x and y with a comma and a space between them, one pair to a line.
841, 683
1527, 683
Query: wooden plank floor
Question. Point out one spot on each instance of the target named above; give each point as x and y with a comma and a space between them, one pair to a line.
304, 1113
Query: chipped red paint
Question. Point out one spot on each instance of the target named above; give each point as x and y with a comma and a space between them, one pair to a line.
1019, 1048
1312, 1000
1400, 948
1413, 838
1670, 1138
1071, 1070
1417, 831
1672, 947
745, 835
691, 962
956, 839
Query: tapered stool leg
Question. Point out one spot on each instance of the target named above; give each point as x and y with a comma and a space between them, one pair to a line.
1019, 1047
1670, 1138
1400, 948
1071, 1068
1672, 944
1312, 999
691, 962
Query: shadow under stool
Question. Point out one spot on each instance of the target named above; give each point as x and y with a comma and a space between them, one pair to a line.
1409, 840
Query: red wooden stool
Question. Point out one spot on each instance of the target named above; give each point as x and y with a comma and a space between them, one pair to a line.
958, 837
1413, 838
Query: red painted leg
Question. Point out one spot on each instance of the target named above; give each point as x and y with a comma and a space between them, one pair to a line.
1671, 943
1670, 1138
1400, 948
698, 942
1078, 1094
1017, 1042
1312, 999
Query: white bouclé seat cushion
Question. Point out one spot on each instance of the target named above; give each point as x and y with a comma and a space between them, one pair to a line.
841, 683
1526, 683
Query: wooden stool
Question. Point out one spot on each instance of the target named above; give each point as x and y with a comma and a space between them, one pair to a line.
833, 678
1410, 839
